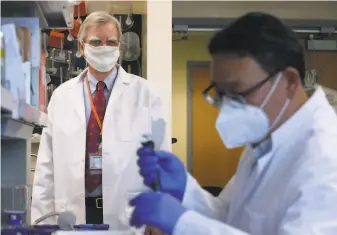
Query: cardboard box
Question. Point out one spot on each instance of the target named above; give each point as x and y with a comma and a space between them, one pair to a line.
43, 84
23, 34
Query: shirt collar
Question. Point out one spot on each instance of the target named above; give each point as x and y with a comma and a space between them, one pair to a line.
263, 148
109, 81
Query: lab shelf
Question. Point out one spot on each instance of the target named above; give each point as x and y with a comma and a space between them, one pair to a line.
11, 128
20, 111
18, 120
7, 101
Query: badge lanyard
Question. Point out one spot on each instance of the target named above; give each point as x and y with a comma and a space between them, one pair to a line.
93, 108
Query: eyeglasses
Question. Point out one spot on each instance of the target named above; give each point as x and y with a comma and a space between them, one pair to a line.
216, 98
98, 43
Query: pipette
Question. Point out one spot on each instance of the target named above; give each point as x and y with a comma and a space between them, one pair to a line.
148, 142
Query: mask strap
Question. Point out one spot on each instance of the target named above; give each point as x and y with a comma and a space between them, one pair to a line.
270, 93
279, 116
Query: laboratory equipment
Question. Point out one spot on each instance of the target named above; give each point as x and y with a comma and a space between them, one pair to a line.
97, 229
14, 205
78, 51
70, 36
79, 20
52, 69
15, 202
62, 55
66, 220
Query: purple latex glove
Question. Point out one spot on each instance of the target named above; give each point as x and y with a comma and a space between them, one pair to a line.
156, 209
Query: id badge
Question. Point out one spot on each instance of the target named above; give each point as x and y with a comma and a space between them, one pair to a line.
95, 164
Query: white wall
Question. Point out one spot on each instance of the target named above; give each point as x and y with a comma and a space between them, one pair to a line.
159, 52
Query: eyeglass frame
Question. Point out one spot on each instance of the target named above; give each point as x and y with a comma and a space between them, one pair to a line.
239, 96
115, 43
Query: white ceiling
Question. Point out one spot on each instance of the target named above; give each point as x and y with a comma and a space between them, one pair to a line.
226, 9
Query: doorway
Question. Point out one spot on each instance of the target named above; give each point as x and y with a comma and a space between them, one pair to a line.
208, 160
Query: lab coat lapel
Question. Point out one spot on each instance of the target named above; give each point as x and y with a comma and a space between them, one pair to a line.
117, 158
242, 176
78, 96
248, 179
110, 122
122, 80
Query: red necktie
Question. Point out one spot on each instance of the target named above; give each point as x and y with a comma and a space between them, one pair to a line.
92, 181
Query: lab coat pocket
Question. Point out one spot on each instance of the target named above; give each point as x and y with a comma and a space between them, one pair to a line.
256, 222
132, 124
68, 125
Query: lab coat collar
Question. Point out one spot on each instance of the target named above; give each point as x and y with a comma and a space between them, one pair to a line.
299, 120
264, 154
122, 75
122, 80
109, 80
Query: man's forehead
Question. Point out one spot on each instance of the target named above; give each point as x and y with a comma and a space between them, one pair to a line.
231, 62
226, 71
234, 72
105, 30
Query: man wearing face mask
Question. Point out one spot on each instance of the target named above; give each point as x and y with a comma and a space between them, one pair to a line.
87, 157
286, 181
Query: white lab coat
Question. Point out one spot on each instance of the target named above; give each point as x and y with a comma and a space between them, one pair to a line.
293, 190
134, 108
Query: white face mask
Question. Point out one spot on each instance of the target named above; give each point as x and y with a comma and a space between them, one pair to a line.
102, 58
240, 124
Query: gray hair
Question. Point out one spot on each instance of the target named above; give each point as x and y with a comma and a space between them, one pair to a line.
98, 18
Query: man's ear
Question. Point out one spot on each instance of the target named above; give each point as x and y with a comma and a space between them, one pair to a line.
293, 79
120, 47
81, 47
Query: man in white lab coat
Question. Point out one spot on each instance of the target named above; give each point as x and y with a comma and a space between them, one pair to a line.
286, 181
87, 157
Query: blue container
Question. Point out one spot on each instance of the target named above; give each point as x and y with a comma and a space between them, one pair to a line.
14, 218
92, 227
49, 229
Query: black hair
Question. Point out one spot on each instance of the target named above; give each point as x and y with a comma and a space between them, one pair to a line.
263, 37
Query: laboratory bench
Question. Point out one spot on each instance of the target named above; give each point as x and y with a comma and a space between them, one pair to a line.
78, 230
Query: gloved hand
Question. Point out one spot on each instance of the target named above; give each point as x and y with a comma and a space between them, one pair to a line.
156, 209
171, 171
